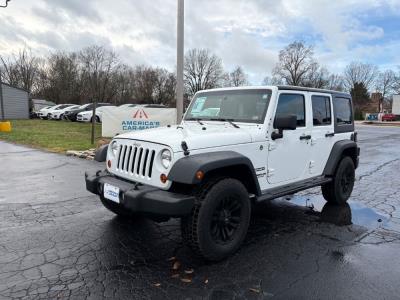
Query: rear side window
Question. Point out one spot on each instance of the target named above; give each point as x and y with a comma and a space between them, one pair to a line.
292, 104
343, 111
321, 106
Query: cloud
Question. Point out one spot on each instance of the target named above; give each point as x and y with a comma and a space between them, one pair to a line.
249, 33
75, 8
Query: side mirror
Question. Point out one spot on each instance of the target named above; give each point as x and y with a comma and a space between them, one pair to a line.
282, 123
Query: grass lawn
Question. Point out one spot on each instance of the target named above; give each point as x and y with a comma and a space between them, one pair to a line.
55, 136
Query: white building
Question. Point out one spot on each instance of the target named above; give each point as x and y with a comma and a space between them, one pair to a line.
396, 105
15, 102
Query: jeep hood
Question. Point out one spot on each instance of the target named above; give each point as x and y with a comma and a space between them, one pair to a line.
194, 136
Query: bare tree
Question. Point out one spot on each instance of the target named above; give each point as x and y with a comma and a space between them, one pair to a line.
335, 82
165, 92
21, 70
316, 77
236, 78
60, 79
98, 67
295, 62
272, 81
396, 85
385, 84
145, 82
125, 81
202, 70
358, 72
154, 85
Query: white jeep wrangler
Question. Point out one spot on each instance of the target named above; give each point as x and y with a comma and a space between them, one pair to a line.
234, 148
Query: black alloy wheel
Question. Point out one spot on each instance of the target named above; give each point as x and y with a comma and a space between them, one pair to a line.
226, 219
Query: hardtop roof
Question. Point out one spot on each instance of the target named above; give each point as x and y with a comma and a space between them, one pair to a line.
279, 87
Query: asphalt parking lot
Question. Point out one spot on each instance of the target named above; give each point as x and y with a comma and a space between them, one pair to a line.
57, 241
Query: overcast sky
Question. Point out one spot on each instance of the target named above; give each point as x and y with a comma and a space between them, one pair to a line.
249, 33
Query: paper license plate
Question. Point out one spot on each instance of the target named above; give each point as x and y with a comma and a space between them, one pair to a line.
111, 192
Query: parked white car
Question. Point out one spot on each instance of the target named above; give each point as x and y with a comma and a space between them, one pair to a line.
86, 116
57, 108
44, 112
58, 114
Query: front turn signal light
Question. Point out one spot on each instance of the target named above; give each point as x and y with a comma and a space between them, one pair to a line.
109, 164
199, 175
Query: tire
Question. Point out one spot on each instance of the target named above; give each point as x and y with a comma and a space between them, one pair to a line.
116, 209
97, 120
219, 221
339, 190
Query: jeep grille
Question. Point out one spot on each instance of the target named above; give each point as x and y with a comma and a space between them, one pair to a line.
135, 160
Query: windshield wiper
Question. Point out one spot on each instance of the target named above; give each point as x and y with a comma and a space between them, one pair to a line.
196, 119
230, 121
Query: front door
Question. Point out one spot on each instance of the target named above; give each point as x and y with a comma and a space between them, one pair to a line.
289, 156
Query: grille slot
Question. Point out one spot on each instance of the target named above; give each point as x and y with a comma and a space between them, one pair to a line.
119, 156
137, 161
153, 153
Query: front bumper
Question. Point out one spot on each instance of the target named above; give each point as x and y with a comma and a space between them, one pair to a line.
142, 199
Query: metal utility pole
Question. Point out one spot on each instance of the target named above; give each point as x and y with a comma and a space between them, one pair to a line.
1, 98
180, 59
93, 122
1, 83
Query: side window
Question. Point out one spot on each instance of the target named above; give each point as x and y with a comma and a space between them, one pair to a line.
292, 104
321, 106
343, 113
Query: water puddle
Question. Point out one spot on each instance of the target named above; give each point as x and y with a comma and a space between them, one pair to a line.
351, 213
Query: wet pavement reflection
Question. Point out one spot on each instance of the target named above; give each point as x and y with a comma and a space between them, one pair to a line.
350, 213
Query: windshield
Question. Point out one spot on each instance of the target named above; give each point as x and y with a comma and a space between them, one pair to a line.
247, 106
63, 106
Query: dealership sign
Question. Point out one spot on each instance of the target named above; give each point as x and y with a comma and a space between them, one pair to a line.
120, 120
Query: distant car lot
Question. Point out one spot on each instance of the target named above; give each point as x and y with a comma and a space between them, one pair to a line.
81, 113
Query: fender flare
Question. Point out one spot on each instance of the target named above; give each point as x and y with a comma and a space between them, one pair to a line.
336, 154
101, 154
185, 169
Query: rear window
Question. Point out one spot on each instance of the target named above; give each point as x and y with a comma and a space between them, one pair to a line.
343, 111
321, 106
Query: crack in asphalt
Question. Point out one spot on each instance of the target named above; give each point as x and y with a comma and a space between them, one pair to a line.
378, 168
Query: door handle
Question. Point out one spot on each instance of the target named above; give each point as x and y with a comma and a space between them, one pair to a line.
305, 137
330, 134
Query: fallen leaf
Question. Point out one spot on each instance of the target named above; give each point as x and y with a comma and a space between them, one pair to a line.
189, 271
206, 281
171, 258
175, 275
157, 284
176, 265
186, 280
254, 290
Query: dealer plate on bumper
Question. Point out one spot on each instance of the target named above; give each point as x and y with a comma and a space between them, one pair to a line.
111, 192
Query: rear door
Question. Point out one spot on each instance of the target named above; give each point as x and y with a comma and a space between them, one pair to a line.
323, 133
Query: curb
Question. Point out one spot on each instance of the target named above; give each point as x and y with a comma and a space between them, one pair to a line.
87, 154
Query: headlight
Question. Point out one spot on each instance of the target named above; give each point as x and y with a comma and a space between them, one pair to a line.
114, 148
166, 158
